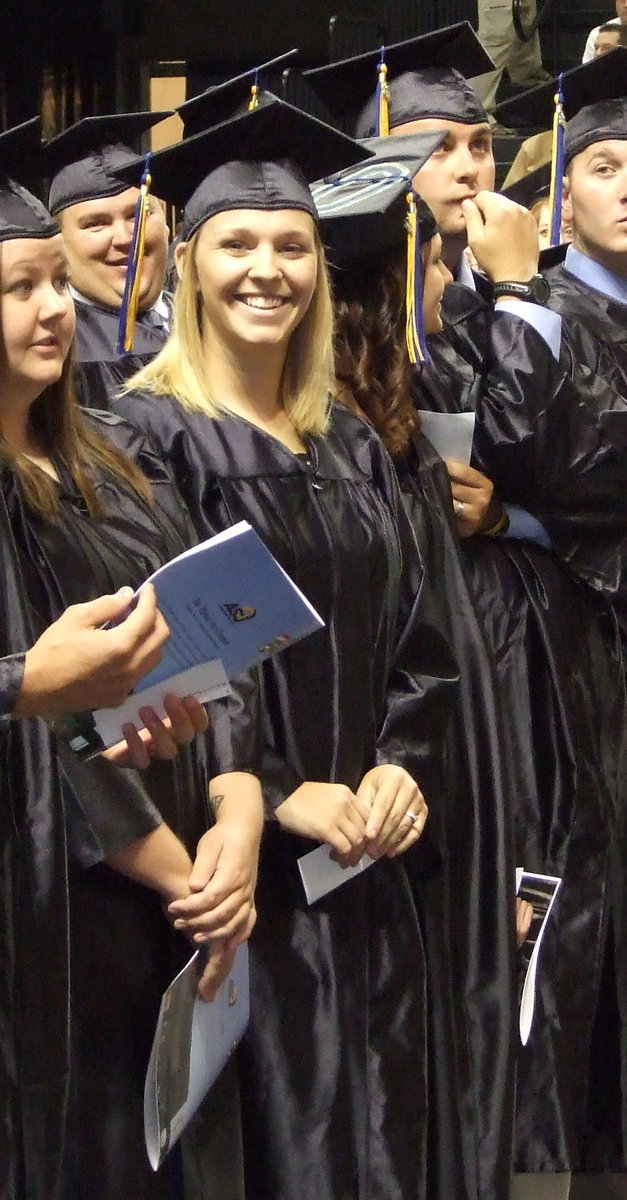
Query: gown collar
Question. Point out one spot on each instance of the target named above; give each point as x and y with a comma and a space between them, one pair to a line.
595, 276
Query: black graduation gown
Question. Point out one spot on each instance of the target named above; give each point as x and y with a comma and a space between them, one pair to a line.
100, 371
333, 1064
122, 950
34, 976
593, 535
559, 663
552, 436
467, 909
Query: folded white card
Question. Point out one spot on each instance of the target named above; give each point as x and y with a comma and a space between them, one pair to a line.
321, 874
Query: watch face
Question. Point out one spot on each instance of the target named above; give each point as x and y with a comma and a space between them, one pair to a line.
540, 289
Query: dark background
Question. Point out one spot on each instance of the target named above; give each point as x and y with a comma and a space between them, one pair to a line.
97, 56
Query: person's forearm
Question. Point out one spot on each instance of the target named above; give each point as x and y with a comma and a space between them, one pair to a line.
158, 861
236, 797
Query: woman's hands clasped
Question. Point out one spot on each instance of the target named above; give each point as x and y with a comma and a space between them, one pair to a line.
384, 816
397, 807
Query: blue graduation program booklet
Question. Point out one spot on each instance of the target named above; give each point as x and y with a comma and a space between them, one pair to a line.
229, 605
192, 1043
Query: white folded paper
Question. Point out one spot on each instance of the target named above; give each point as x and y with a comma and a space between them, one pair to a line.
540, 891
192, 1043
450, 434
321, 874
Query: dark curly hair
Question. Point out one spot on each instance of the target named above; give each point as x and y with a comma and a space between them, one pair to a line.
371, 358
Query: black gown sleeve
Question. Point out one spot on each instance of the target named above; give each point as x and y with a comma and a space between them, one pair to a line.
559, 450
542, 425
11, 676
551, 436
107, 807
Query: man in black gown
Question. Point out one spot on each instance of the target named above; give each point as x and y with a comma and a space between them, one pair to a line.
589, 290
96, 211
567, 777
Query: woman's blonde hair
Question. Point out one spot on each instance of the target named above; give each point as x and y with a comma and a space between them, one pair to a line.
308, 377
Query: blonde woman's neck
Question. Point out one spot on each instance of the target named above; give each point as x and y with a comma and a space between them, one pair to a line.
251, 388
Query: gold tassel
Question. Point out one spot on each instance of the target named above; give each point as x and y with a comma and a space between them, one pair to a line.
557, 166
414, 328
384, 101
410, 294
133, 305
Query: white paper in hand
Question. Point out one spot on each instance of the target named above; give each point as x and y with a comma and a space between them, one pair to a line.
450, 434
321, 874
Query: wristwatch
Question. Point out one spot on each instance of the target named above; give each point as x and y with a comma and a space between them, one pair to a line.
537, 290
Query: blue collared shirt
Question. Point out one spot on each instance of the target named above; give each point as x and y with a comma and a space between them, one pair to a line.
597, 277
523, 526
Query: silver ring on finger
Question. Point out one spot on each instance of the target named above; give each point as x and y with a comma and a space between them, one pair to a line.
459, 508
412, 816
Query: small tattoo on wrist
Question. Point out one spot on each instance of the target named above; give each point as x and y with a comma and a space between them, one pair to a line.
215, 802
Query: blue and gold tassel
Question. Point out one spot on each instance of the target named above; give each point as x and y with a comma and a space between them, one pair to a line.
132, 284
557, 165
414, 330
383, 98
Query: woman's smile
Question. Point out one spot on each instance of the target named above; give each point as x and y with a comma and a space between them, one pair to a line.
261, 302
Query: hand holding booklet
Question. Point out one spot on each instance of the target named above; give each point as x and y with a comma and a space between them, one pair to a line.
228, 605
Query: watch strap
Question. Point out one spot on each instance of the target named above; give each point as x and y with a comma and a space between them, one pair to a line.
536, 291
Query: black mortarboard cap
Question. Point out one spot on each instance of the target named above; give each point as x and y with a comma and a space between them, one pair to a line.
22, 215
222, 101
532, 187
22, 153
262, 159
80, 163
594, 100
426, 76
363, 210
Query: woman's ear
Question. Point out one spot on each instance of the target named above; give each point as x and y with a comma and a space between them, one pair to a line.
180, 252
